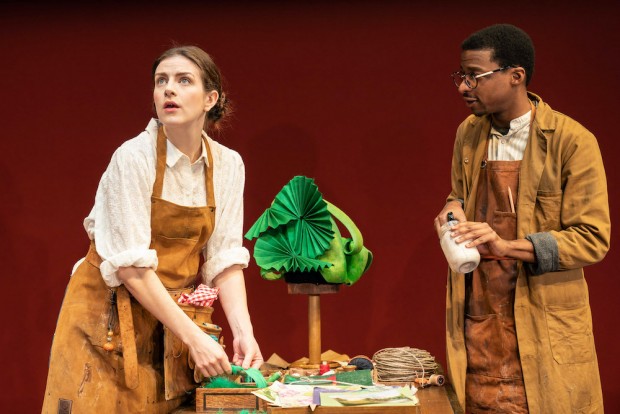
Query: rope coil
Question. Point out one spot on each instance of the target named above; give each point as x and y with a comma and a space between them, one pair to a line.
403, 364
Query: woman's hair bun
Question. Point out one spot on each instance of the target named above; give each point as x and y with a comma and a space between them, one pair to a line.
220, 109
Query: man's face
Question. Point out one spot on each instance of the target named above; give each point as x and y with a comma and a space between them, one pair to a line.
493, 92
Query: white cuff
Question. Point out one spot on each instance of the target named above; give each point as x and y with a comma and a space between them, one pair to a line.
222, 261
134, 257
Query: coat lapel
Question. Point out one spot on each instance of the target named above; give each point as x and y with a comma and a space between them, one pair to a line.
473, 155
532, 166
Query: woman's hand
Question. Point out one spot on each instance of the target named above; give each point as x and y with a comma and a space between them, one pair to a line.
246, 352
208, 356
146, 287
234, 302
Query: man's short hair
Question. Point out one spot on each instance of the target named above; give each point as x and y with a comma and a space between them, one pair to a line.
509, 44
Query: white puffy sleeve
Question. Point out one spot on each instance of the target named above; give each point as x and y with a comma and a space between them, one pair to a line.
225, 246
122, 211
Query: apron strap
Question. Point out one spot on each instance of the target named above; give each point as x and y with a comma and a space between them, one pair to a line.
158, 185
128, 338
209, 176
125, 322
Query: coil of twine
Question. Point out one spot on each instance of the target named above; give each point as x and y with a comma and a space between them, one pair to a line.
403, 364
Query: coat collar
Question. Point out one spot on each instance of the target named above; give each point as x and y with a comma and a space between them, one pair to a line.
544, 115
545, 121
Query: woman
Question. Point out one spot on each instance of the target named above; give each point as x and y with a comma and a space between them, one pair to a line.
122, 341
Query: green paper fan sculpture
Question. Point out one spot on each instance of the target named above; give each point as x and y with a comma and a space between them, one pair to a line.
298, 235
277, 253
299, 202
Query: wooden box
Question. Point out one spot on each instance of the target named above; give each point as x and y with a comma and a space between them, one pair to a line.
228, 400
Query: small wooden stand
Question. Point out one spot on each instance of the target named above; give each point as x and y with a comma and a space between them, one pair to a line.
314, 292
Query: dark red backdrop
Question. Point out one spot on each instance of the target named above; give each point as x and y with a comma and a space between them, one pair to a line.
355, 95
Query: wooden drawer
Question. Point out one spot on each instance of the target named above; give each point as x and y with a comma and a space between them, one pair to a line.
227, 400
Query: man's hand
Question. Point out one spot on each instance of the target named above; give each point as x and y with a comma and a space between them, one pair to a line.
453, 207
481, 236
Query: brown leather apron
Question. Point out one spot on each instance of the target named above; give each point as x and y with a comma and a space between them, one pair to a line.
145, 373
494, 380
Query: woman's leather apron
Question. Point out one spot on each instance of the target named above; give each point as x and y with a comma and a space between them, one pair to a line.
145, 373
494, 380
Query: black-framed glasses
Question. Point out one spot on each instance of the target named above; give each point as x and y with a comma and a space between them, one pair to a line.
471, 79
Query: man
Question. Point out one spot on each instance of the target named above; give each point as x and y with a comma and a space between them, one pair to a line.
529, 192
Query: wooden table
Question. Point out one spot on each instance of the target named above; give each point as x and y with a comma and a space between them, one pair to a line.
438, 400
433, 400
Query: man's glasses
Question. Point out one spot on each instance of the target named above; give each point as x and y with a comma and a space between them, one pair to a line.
471, 79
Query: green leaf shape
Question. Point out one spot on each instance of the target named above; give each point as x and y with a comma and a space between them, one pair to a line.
300, 207
275, 252
313, 229
271, 218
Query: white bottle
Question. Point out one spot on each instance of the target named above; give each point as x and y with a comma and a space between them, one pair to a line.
460, 258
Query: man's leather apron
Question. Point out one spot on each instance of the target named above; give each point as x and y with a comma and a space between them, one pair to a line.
145, 373
494, 381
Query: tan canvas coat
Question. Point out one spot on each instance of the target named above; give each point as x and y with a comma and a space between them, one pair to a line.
562, 192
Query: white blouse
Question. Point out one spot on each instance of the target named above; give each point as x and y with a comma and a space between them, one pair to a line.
120, 221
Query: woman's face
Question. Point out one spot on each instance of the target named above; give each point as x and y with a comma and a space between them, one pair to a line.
179, 95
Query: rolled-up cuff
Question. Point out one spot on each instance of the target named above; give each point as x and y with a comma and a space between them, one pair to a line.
547, 254
136, 258
222, 261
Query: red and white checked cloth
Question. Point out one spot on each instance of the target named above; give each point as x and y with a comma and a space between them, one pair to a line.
202, 296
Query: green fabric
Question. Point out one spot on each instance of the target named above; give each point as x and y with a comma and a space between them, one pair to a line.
223, 382
252, 373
